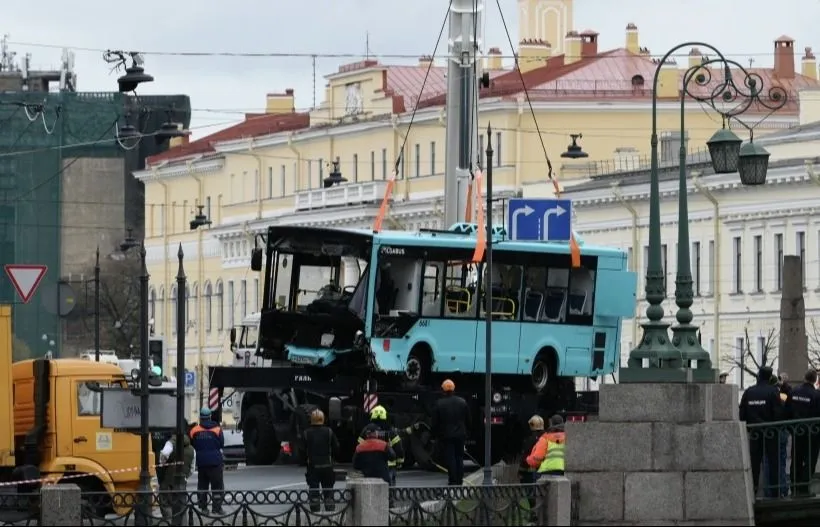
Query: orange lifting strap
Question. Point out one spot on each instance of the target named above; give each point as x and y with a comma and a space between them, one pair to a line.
574, 249
481, 235
388, 192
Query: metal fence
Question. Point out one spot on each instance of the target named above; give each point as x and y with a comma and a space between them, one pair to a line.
469, 505
19, 509
252, 507
784, 457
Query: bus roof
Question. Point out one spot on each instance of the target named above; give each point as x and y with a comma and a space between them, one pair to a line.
455, 238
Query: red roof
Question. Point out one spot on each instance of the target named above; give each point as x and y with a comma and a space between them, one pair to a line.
254, 125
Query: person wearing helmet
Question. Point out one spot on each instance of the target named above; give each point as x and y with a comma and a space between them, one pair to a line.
384, 431
450, 423
321, 448
547, 455
208, 441
526, 473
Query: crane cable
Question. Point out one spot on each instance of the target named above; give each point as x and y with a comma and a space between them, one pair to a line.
574, 249
377, 224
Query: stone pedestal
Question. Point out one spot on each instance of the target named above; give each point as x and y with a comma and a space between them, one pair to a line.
662, 454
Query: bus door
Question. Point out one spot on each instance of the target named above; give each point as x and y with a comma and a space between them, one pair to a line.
506, 326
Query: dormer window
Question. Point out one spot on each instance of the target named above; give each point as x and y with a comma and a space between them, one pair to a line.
637, 81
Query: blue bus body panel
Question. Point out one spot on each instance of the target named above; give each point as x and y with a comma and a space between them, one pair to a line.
452, 342
615, 295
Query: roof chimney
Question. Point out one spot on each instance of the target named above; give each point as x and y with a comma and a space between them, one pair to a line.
589, 44
632, 42
695, 57
425, 61
809, 65
281, 102
572, 47
784, 57
532, 54
493, 61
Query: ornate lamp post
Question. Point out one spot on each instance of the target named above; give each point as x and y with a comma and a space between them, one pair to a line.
682, 359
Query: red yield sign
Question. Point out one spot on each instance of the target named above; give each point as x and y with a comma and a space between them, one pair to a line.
26, 278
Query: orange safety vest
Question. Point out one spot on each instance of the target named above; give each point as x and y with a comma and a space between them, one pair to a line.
548, 453
199, 428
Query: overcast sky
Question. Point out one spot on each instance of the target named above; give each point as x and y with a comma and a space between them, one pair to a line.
221, 88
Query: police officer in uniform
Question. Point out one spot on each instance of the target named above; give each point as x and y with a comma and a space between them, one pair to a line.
761, 404
803, 402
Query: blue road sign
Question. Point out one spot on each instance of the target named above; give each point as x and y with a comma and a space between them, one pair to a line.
190, 380
540, 219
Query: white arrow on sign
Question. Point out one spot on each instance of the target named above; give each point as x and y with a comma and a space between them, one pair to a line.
526, 211
558, 210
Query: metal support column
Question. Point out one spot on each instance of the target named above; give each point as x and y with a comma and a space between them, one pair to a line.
488, 296
465, 40
145, 366
179, 480
96, 307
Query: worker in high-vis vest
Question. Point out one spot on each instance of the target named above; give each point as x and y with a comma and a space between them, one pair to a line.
547, 456
379, 426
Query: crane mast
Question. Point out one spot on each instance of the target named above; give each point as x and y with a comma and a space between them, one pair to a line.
464, 46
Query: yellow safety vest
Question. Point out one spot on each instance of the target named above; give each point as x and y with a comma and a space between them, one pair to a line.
554, 460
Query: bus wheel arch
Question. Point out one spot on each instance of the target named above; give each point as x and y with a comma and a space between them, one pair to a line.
544, 369
419, 363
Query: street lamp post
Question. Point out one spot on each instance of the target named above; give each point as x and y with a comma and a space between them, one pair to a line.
179, 483
682, 359
97, 307
488, 297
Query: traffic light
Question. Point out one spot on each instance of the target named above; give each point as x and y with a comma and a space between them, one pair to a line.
156, 351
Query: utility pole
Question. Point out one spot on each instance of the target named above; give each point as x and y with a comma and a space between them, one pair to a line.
465, 41
96, 307
793, 354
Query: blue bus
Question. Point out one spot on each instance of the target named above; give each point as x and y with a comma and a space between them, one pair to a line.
412, 304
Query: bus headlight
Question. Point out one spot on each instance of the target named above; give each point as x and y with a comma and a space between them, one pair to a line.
496, 398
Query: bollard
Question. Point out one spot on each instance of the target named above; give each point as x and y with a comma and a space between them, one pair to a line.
60, 505
371, 502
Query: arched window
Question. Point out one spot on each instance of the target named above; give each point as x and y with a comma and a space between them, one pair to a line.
637, 81
206, 293
152, 304
160, 320
220, 306
194, 315
172, 305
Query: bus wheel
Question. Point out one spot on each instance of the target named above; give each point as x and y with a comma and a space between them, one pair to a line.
543, 371
417, 367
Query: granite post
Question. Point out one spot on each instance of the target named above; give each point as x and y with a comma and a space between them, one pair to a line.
371, 502
793, 353
662, 454
60, 505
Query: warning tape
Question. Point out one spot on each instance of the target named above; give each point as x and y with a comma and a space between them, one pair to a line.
51, 480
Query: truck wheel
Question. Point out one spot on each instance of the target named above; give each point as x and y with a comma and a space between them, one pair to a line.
259, 436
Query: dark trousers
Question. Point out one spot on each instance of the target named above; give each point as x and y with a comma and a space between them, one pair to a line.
770, 448
815, 453
172, 501
210, 478
325, 478
454, 460
801, 463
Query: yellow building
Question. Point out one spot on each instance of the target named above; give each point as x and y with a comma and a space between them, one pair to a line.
270, 168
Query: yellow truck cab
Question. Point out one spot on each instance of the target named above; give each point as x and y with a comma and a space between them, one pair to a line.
50, 420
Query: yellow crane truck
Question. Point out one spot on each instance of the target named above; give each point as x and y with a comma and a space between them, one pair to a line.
50, 423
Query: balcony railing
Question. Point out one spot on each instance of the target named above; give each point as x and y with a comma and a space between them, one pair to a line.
340, 195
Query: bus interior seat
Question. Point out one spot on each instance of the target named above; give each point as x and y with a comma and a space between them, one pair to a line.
533, 303
577, 302
458, 302
554, 304
504, 308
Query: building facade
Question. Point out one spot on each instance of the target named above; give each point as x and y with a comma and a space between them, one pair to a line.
271, 168
738, 238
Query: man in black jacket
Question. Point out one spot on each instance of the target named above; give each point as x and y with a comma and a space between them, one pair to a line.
803, 402
760, 404
451, 421
321, 448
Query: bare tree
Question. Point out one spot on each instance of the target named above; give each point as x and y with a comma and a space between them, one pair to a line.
813, 343
748, 360
119, 305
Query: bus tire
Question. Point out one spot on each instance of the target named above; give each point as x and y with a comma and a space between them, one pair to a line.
544, 369
259, 436
419, 365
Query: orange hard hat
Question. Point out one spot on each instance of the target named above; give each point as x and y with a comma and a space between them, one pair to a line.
448, 386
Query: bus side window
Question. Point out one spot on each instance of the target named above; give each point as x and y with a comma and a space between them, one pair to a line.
431, 290
581, 289
557, 285
506, 287
459, 291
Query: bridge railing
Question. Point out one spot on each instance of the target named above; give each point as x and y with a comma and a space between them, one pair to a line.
784, 457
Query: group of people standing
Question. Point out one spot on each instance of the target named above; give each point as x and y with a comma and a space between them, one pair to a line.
772, 400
